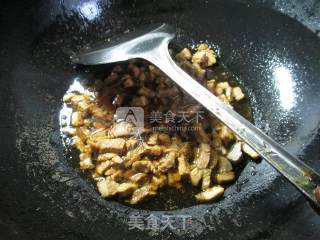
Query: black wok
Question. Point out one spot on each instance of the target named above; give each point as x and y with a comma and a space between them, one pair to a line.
42, 194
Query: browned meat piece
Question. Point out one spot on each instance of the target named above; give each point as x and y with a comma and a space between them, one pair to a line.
206, 178
154, 70
203, 156
164, 101
200, 133
128, 82
98, 124
127, 173
68, 96
221, 87
218, 145
229, 95
317, 193
118, 69
249, 151
152, 152
225, 177
237, 93
83, 133
105, 157
112, 77
187, 150
144, 150
126, 189
78, 143
122, 129
86, 161
153, 139
176, 105
168, 92
174, 179
132, 156
141, 101
214, 158
188, 67
196, 176
224, 165
176, 141
210, 194
235, 153
102, 167
98, 85
105, 102
117, 160
76, 98
138, 177
118, 100
142, 194
205, 57
84, 156
131, 144
172, 148
134, 70
192, 109
164, 139
144, 91
211, 85
77, 119
167, 162
203, 46
102, 114
158, 181
226, 134
224, 99
111, 145
110, 171
185, 54
166, 81
144, 77
183, 166
84, 106
97, 135
107, 187
118, 175
143, 166
198, 70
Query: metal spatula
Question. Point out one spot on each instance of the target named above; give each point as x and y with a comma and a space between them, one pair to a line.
152, 45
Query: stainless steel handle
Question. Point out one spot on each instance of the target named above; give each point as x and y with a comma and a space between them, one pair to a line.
297, 172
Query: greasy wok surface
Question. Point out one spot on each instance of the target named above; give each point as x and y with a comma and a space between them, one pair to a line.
46, 197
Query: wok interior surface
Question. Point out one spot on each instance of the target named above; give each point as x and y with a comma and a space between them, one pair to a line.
275, 58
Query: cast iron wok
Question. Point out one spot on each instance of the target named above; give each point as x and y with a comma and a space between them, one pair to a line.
45, 196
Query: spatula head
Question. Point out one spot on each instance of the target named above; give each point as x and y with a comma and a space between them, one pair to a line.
127, 46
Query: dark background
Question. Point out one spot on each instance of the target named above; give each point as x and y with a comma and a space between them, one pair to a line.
305, 11
302, 219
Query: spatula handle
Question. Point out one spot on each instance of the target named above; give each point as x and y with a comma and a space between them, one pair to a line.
301, 175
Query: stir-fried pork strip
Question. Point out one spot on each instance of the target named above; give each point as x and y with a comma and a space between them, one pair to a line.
210, 194
136, 168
